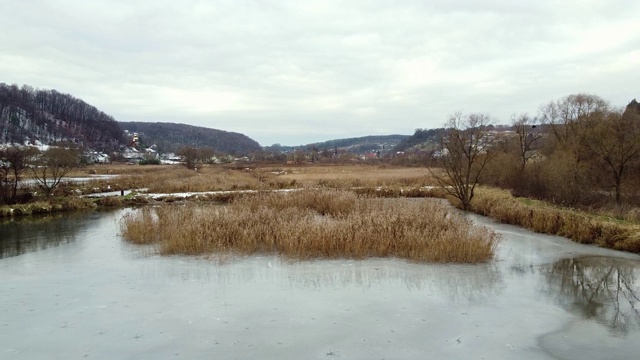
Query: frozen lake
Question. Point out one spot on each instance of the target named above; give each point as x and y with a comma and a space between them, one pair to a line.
72, 288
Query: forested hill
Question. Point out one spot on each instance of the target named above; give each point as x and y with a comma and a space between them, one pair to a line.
29, 115
170, 137
361, 144
422, 139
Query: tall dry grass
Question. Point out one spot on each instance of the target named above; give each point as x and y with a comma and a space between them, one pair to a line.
350, 176
137, 225
312, 224
548, 219
208, 178
624, 212
381, 181
177, 178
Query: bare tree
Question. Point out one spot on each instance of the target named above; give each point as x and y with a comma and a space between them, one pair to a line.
52, 165
190, 156
528, 134
571, 116
596, 136
466, 148
570, 121
206, 154
614, 142
4, 178
16, 161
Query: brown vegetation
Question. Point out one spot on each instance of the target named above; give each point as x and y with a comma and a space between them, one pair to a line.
314, 224
176, 178
343, 176
410, 182
46, 207
466, 149
579, 152
549, 219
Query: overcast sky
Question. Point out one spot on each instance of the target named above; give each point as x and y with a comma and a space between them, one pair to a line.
295, 72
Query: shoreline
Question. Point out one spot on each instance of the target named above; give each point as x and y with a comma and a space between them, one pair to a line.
498, 204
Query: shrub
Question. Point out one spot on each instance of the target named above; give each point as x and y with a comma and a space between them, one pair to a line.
149, 161
110, 201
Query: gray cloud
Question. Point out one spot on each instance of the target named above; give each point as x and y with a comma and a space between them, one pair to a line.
295, 72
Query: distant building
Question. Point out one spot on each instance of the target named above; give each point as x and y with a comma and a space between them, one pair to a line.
132, 154
95, 157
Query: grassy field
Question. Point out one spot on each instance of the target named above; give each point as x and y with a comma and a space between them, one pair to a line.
315, 224
176, 178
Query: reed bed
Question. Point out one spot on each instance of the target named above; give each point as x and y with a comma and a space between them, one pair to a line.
345, 176
624, 212
548, 219
315, 224
176, 178
398, 192
208, 178
137, 226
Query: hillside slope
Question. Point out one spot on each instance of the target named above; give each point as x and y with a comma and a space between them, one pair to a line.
357, 145
29, 115
362, 144
422, 139
169, 137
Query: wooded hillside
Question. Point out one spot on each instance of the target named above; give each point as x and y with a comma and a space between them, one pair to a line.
29, 115
170, 137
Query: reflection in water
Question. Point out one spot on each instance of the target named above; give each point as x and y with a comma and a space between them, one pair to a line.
35, 233
458, 283
600, 288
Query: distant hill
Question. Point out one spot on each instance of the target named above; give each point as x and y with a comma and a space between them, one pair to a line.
429, 139
422, 139
363, 144
357, 145
29, 115
170, 137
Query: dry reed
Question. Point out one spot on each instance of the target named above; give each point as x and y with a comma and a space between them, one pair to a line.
349, 176
315, 224
376, 180
177, 178
137, 225
545, 218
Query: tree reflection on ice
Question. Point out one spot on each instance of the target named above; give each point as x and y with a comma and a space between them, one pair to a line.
456, 283
600, 288
29, 234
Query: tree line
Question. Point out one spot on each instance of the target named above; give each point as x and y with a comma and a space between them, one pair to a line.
577, 151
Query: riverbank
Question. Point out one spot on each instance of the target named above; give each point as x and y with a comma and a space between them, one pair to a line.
67, 204
541, 217
46, 207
